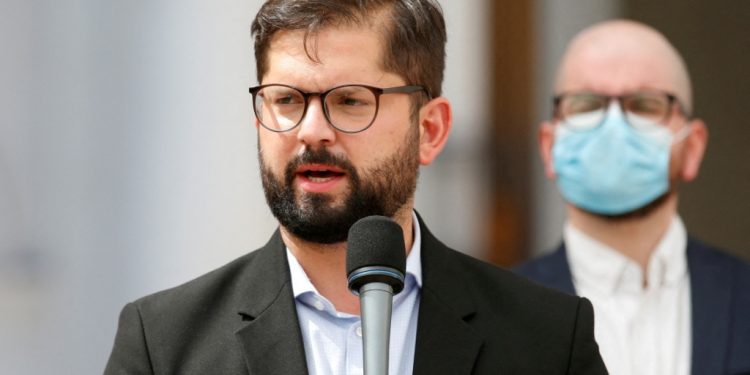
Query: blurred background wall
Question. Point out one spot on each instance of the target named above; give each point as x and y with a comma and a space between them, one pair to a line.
128, 159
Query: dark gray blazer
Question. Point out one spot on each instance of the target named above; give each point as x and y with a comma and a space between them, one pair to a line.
720, 298
474, 318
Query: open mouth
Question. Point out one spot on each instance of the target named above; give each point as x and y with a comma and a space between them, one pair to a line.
320, 173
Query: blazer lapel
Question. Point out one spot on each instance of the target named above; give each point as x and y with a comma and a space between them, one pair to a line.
271, 336
711, 291
446, 343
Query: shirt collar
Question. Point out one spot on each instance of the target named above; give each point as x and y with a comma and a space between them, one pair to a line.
301, 283
414, 259
602, 268
668, 264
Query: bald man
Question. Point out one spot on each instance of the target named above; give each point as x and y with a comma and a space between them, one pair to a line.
620, 143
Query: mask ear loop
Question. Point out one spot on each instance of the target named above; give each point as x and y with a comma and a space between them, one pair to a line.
682, 133
687, 129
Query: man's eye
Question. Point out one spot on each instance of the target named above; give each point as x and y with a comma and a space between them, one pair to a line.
352, 101
584, 105
287, 99
646, 106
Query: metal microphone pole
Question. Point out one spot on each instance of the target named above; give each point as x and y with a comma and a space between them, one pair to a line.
376, 301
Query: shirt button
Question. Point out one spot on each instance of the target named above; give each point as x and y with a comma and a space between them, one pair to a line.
358, 331
318, 304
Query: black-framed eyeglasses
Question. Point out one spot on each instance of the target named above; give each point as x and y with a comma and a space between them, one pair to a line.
348, 108
587, 110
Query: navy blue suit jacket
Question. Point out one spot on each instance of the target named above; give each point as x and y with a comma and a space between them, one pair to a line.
720, 298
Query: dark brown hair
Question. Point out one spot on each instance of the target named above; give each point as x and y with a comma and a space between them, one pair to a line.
413, 30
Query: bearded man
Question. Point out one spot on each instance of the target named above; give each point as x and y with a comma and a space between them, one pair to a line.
348, 107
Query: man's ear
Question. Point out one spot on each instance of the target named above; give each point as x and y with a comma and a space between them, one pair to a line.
435, 121
546, 138
695, 148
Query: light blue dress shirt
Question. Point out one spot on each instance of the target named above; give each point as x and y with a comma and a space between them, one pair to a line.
333, 340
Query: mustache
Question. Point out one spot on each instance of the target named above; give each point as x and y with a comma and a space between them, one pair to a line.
318, 156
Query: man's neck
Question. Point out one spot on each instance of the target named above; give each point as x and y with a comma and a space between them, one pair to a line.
325, 264
634, 237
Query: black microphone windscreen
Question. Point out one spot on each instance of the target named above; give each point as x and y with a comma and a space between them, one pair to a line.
376, 241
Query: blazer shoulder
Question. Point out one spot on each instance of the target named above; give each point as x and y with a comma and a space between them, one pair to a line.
536, 268
701, 254
193, 325
207, 284
225, 285
551, 270
721, 308
556, 326
490, 279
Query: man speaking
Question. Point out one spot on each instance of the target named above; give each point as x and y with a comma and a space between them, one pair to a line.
348, 107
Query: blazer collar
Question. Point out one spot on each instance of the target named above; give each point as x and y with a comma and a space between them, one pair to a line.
272, 340
446, 343
271, 337
711, 291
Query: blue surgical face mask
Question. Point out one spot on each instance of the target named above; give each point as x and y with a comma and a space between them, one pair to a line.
615, 168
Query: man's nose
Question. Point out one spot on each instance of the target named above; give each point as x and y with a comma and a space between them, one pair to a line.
314, 129
615, 108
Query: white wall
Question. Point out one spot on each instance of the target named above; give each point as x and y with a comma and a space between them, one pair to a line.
452, 194
128, 161
128, 165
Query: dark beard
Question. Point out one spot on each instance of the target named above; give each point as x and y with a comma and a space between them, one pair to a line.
381, 190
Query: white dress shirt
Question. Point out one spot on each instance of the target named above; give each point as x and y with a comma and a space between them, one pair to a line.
641, 329
333, 340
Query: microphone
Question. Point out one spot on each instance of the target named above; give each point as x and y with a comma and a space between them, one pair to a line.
375, 265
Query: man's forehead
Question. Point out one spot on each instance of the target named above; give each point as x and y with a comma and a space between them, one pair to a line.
334, 56
607, 68
620, 56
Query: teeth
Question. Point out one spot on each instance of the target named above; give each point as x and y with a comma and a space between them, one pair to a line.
319, 179
320, 175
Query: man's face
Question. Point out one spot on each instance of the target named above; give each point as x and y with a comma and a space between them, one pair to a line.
318, 181
616, 62
618, 71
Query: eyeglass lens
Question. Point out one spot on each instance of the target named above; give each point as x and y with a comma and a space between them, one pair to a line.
349, 108
587, 111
